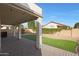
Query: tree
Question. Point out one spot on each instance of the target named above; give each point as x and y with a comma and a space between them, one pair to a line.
76, 25
31, 25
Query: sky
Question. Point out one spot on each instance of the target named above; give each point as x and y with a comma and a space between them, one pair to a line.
64, 13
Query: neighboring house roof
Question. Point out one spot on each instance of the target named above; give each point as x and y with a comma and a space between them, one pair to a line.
59, 24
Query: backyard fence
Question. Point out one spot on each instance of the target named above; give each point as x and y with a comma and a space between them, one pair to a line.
65, 34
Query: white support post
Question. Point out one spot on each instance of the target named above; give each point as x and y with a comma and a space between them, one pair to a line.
11, 30
19, 31
39, 34
14, 31
0, 36
7, 31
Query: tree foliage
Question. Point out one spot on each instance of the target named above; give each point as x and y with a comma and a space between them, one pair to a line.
31, 24
76, 25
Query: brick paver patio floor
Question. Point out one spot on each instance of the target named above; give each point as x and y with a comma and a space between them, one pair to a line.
22, 47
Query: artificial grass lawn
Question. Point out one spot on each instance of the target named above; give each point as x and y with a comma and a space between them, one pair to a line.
30, 37
62, 44
59, 43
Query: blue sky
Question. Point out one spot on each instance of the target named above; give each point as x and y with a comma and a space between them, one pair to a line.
65, 13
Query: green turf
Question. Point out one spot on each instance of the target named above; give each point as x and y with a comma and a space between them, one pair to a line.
30, 37
63, 44
59, 43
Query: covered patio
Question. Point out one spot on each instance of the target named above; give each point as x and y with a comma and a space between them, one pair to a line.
13, 15
11, 46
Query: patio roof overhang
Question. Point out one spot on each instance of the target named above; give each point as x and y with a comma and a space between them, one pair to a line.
17, 13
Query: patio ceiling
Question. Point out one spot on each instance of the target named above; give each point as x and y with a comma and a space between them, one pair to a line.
11, 14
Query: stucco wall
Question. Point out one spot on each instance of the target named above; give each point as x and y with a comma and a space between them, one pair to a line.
50, 25
65, 34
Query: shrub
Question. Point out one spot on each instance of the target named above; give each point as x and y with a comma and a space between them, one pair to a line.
64, 27
76, 25
50, 31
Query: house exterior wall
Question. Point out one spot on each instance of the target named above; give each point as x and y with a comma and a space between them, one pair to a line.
51, 25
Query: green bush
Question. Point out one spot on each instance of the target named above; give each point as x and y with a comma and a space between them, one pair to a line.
50, 31
64, 27
76, 25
